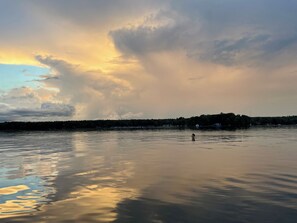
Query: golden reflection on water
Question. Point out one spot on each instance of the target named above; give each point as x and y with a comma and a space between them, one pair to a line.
12, 207
18, 207
13, 189
102, 171
96, 201
35, 171
90, 203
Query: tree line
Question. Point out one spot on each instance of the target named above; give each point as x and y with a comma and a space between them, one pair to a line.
216, 121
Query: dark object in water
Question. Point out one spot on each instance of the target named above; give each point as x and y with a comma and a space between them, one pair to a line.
193, 137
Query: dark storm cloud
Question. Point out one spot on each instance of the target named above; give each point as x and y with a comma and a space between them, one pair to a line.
219, 15
226, 32
245, 50
142, 40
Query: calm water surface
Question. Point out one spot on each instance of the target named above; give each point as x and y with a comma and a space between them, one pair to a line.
149, 176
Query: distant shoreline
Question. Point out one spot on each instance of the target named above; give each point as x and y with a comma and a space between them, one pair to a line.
224, 121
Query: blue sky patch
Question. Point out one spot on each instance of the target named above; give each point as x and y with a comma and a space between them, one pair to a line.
13, 76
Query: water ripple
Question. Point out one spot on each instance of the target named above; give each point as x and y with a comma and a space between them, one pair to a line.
149, 176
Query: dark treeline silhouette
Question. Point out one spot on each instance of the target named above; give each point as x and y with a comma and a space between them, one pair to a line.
217, 121
220, 121
284, 120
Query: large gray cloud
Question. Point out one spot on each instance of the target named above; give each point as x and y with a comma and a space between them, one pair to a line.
47, 111
96, 13
230, 32
240, 54
219, 16
24, 103
44, 17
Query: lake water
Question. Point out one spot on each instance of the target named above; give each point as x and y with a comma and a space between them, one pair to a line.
149, 176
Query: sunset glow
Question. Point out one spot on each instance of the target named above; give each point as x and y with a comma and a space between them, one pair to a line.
146, 59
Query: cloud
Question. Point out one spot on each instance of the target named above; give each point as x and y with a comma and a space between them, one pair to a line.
233, 33
159, 32
96, 94
4, 107
23, 104
234, 53
121, 59
75, 31
47, 111
231, 52
91, 14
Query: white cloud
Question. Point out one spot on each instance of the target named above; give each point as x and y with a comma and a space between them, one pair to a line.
94, 93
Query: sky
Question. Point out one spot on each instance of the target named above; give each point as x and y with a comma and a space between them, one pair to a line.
129, 59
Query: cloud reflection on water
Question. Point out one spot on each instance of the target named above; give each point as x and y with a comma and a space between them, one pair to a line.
155, 176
